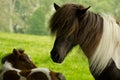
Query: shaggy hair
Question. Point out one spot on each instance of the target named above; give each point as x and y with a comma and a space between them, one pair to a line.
87, 26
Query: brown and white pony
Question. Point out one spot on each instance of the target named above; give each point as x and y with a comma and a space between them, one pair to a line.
98, 35
18, 66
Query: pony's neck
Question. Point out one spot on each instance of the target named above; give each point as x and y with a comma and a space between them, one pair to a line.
108, 48
90, 34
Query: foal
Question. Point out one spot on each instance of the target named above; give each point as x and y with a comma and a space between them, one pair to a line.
18, 66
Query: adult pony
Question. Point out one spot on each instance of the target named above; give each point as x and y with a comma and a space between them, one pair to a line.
18, 66
97, 35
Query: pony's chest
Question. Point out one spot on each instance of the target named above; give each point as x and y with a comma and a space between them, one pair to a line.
111, 72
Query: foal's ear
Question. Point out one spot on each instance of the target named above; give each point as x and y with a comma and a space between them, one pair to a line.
82, 11
56, 6
21, 51
15, 52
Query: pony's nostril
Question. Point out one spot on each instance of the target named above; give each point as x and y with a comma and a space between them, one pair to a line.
55, 56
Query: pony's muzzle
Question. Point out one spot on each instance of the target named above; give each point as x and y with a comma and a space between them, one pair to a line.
55, 56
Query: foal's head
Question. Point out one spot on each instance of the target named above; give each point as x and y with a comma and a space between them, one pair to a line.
65, 24
19, 60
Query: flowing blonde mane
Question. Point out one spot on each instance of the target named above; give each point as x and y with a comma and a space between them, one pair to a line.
109, 46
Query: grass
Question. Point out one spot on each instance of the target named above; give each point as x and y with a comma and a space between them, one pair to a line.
74, 67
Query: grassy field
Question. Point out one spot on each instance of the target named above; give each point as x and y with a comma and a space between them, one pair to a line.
74, 67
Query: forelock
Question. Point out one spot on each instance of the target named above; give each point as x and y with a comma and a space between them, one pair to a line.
63, 19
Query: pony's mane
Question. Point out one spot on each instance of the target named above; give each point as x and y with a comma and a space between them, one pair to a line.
90, 31
65, 16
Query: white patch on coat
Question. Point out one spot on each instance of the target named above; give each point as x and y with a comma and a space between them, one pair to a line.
43, 70
8, 66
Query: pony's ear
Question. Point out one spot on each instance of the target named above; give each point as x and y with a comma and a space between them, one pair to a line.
56, 6
82, 11
21, 51
15, 52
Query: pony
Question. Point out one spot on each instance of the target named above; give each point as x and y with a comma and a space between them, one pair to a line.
19, 60
19, 66
96, 34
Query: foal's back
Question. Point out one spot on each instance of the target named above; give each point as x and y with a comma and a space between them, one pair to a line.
18, 66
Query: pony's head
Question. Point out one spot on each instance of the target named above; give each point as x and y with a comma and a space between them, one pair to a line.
65, 24
19, 60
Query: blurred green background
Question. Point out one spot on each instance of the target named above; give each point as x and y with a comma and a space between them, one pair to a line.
32, 16
24, 24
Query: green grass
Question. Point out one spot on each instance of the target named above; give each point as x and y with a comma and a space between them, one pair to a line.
74, 67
